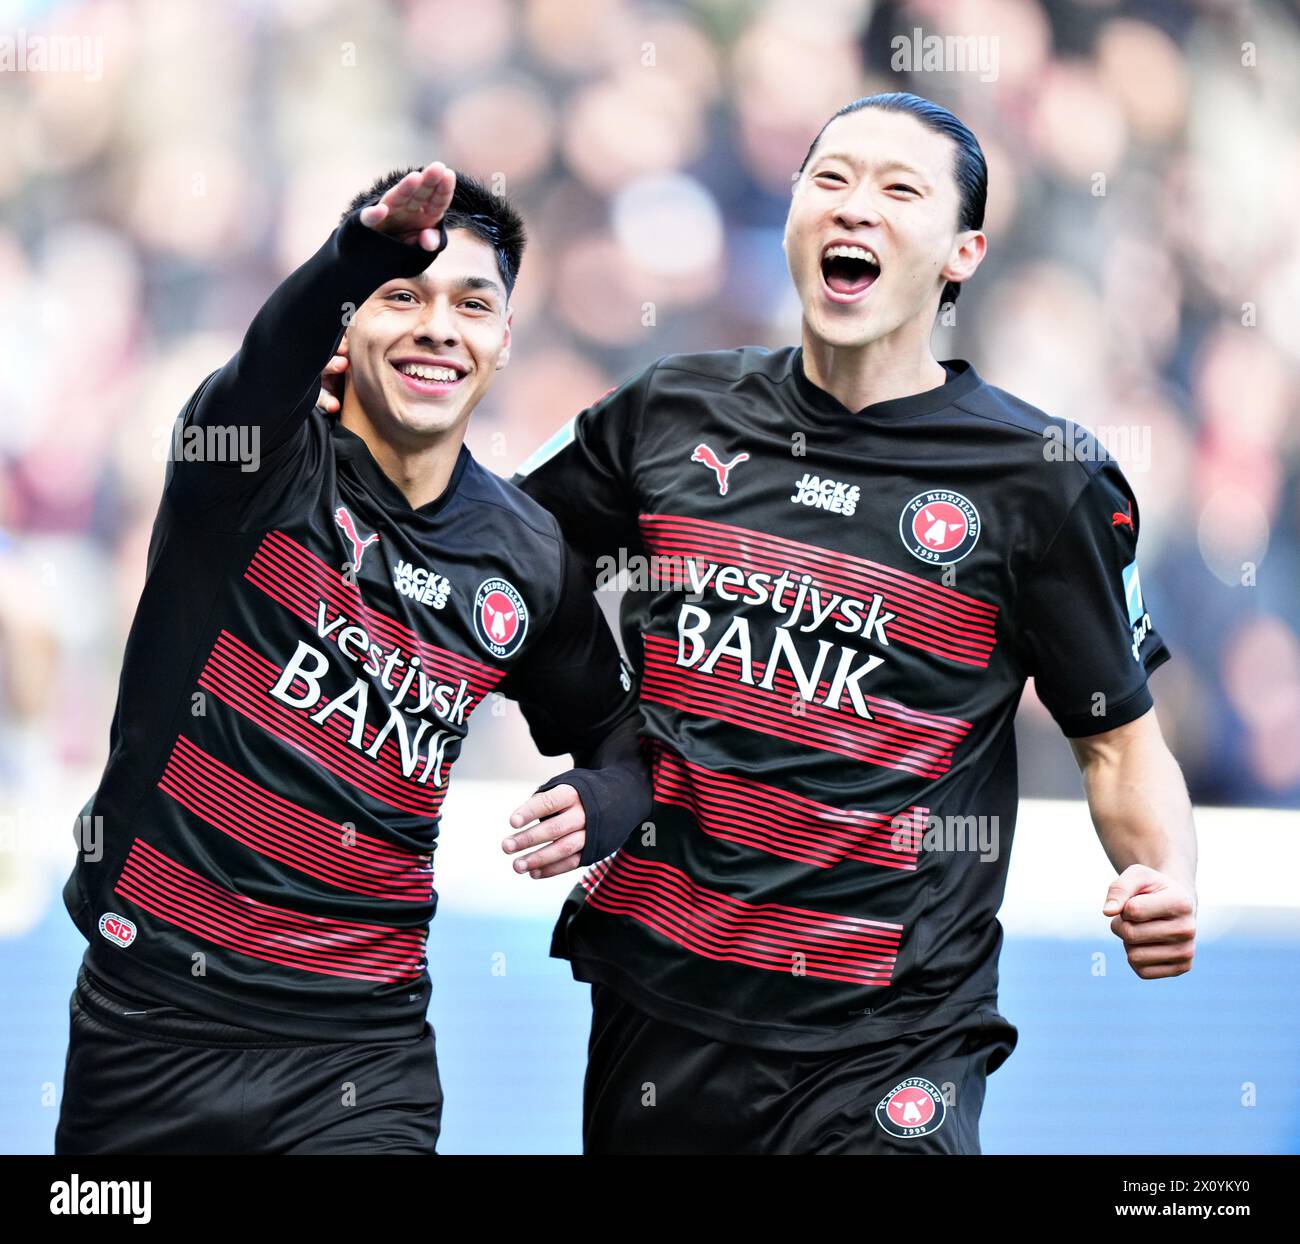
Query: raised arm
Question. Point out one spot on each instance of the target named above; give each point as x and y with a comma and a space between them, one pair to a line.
271, 382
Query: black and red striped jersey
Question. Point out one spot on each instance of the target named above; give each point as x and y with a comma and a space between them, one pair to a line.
306, 657
833, 615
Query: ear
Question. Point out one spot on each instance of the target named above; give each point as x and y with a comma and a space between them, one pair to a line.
785, 228
967, 253
504, 357
341, 382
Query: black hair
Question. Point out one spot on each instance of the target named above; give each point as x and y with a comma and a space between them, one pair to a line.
970, 170
473, 207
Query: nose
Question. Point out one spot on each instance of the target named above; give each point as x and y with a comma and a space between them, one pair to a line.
858, 208
437, 325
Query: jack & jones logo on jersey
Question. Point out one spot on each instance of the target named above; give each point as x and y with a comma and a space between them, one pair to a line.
421, 584
827, 494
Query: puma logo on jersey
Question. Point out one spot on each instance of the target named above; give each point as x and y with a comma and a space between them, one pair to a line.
715, 464
1123, 520
349, 528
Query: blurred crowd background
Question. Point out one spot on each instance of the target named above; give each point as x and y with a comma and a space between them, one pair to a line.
1142, 276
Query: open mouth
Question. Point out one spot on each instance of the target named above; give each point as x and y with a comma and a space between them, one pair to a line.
430, 379
849, 271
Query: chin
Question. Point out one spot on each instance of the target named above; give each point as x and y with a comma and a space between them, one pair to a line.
428, 424
843, 333
421, 417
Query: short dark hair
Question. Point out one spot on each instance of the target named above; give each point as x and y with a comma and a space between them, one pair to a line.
970, 171
473, 207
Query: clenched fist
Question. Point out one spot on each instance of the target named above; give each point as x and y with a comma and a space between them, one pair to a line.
1155, 917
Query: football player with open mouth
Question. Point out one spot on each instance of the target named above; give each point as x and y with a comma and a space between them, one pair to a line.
876, 552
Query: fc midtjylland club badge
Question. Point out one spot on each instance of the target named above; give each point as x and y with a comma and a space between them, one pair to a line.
913, 1107
939, 527
500, 617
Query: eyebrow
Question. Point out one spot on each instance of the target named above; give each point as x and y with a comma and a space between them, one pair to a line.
480, 282
891, 164
462, 284
465, 284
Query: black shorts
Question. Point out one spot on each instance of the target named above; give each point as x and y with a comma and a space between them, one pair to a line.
653, 1087
145, 1078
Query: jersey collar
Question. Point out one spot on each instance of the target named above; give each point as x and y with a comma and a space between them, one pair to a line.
348, 446
962, 380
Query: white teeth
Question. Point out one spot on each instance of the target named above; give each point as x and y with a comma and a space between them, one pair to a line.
439, 374
852, 252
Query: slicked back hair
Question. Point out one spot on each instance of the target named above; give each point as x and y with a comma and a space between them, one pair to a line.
970, 170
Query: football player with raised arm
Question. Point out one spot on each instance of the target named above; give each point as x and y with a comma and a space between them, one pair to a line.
328, 600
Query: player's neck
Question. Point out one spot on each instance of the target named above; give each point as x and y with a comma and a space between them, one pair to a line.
880, 371
421, 471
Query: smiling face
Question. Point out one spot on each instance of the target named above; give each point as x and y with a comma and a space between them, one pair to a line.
873, 228
422, 350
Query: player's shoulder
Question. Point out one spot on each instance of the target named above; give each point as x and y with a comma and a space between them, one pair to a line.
671, 374
1049, 446
512, 507
993, 405
723, 368
621, 409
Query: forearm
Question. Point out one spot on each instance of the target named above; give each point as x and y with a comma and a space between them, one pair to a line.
276, 373
1140, 806
613, 781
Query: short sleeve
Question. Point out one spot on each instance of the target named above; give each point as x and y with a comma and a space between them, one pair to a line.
1084, 632
583, 474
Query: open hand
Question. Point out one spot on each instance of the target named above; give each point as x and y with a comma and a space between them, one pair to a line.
412, 210
561, 826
